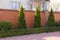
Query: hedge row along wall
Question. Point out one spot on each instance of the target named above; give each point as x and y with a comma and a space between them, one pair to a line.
12, 16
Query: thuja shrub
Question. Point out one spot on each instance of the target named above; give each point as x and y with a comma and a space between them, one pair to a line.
5, 25
51, 20
21, 19
37, 18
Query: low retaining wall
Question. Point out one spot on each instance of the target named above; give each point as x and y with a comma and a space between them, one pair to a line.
12, 16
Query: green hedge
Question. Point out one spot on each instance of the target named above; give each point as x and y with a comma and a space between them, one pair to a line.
52, 29
17, 32
5, 25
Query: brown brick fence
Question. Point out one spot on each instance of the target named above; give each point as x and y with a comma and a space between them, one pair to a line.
12, 16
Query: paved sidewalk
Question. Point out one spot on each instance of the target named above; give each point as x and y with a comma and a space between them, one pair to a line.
40, 36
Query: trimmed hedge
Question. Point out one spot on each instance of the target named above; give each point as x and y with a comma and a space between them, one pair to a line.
5, 25
17, 32
52, 29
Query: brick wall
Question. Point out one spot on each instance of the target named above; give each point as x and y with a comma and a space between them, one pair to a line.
9, 15
12, 16
57, 16
29, 16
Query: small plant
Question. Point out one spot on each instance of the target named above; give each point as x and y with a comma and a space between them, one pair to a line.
51, 20
21, 19
4, 25
37, 18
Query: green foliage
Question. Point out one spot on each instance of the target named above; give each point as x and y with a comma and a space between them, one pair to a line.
17, 32
21, 19
51, 20
5, 25
51, 29
57, 23
37, 18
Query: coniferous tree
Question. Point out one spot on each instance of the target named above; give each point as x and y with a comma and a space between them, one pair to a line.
37, 18
21, 19
51, 20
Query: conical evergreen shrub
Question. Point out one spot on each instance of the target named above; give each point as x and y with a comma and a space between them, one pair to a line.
21, 19
37, 18
51, 20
